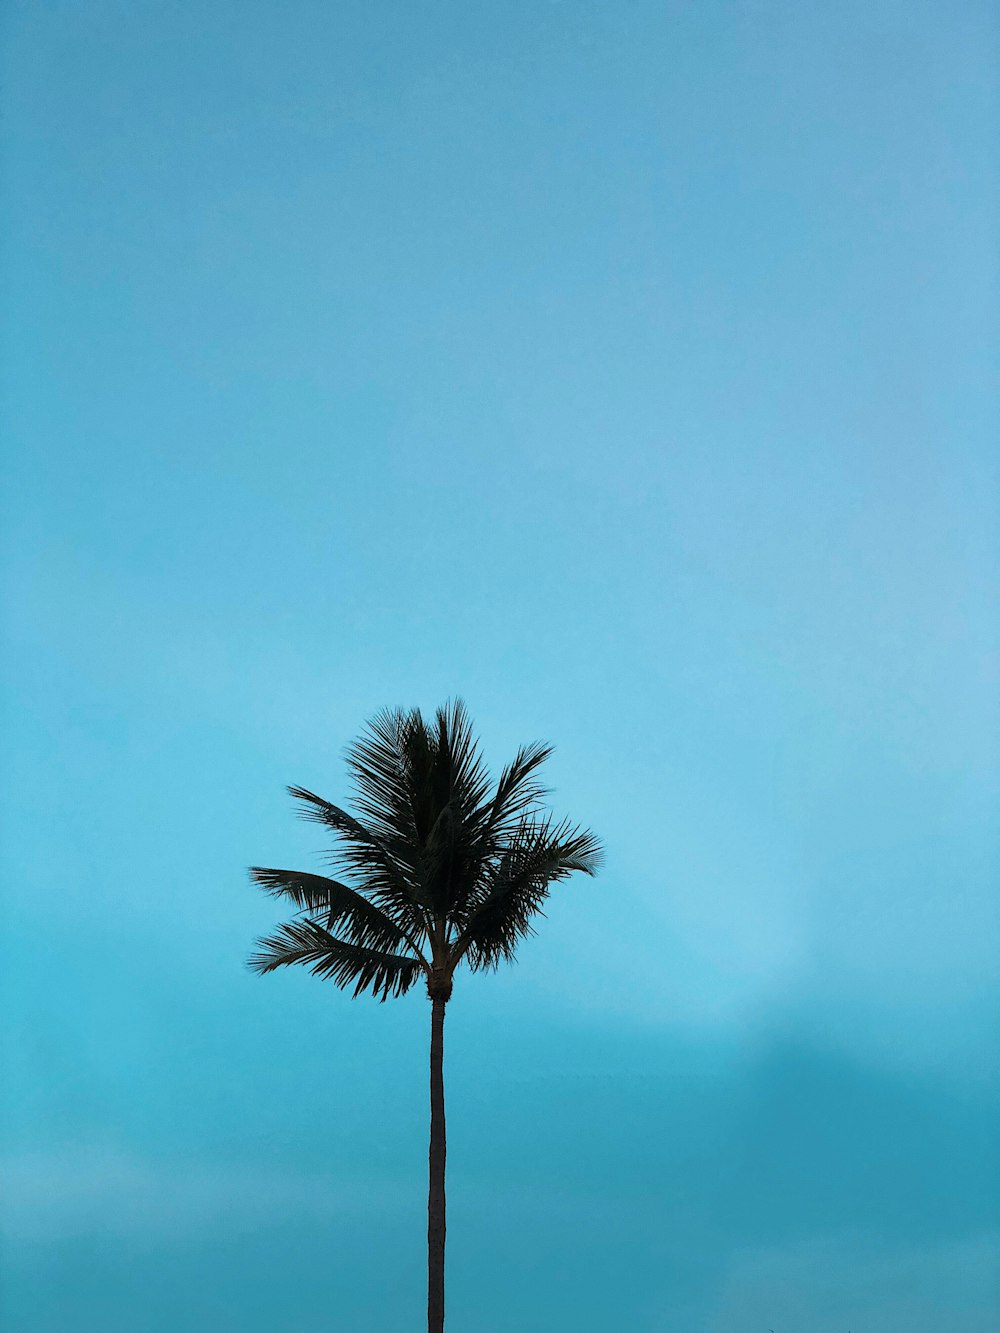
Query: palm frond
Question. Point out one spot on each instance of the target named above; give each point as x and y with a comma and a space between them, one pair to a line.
382, 866
519, 791
422, 788
338, 905
378, 762
454, 793
463, 775
489, 827
342, 962
539, 855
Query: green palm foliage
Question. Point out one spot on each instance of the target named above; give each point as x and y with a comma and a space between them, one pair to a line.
437, 867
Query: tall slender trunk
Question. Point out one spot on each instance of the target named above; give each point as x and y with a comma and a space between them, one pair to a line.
435, 1196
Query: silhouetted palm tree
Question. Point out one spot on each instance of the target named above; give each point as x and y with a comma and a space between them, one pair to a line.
445, 868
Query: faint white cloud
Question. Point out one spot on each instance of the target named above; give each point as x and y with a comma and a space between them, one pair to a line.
53, 1195
853, 1282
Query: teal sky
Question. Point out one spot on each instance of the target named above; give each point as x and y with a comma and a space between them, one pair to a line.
626, 369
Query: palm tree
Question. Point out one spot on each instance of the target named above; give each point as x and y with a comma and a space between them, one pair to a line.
446, 868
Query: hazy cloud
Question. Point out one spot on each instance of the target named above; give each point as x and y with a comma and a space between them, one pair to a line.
854, 1282
57, 1195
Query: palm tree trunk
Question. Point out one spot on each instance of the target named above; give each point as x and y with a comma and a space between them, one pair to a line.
435, 1196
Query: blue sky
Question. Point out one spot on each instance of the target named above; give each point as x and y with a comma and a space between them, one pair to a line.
626, 370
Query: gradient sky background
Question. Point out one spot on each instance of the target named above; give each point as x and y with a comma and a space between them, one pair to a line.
625, 369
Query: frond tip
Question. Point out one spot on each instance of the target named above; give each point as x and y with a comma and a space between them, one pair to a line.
343, 963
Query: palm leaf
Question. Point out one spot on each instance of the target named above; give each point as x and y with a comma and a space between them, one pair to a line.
378, 762
422, 788
518, 791
339, 906
501, 818
541, 854
382, 867
340, 961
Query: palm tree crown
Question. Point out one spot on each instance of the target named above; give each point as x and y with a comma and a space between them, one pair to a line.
438, 865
